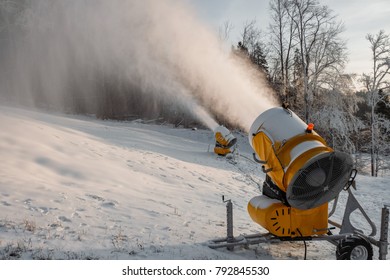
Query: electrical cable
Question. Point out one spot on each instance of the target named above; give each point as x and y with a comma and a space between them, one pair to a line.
304, 242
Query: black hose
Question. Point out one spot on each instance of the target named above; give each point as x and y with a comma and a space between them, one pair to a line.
304, 242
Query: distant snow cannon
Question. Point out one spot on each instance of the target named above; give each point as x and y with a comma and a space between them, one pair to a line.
302, 174
224, 141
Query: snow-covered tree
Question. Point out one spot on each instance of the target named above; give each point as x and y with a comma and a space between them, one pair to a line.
319, 44
282, 41
377, 84
335, 114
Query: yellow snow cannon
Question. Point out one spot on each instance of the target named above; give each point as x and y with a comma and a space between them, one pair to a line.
302, 175
224, 141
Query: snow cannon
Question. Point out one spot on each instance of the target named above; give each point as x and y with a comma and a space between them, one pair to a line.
302, 174
224, 141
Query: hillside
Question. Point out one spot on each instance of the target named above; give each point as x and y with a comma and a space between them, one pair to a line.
73, 187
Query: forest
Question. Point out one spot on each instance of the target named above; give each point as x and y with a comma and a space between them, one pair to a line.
303, 56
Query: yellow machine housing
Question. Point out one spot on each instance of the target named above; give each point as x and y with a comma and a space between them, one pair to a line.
221, 151
224, 141
285, 221
303, 170
280, 159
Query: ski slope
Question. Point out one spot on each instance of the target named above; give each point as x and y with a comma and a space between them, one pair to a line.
73, 187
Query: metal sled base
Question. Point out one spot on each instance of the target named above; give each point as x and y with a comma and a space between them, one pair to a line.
255, 239
346, 230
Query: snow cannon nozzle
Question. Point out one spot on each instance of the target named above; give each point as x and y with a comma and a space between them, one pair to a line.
224, 141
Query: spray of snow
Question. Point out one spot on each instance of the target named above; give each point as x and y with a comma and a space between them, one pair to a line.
161, 47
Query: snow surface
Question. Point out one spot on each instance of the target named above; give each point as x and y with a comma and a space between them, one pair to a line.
73, 187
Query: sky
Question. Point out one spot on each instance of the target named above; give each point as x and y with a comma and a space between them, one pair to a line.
360, 17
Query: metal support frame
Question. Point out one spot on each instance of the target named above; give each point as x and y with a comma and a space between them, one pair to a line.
351, 206
229, 225
347, 227
346, 230
255, 239
384, 237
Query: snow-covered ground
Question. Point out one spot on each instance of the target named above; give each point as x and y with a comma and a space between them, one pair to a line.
73, 187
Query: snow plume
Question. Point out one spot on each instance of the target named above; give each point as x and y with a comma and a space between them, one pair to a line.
65, 52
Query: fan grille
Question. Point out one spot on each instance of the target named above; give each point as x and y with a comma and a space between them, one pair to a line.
320, 180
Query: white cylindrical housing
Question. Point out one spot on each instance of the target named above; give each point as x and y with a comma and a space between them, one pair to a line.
279, 124
224, 136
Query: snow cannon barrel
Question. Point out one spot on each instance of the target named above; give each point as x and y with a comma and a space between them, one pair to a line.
297, 159
224, 141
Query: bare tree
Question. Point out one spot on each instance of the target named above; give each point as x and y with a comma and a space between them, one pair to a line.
320, 49
328, 57
282, 32
376, 84
383, 151
250, 35
225, 30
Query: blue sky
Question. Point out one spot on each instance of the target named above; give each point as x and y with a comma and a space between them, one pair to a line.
360, 17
